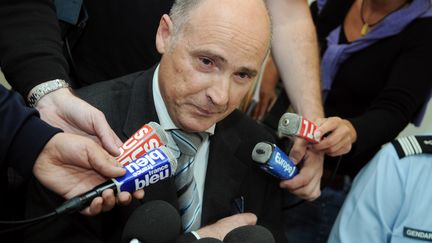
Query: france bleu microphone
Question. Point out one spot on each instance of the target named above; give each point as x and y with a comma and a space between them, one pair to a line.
291, 124
156, 165
274, 161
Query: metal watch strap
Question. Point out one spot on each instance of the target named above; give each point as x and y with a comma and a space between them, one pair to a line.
42, 89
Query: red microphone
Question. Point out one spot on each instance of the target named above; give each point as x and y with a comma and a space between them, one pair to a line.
148, 137
292, 124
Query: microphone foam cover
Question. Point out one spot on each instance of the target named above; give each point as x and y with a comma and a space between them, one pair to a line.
249, 234
159, 131
289, 124
153, 222
208, 240
262, 152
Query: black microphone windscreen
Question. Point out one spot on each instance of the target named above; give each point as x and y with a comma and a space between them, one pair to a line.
153, 222
249, 234
208, 240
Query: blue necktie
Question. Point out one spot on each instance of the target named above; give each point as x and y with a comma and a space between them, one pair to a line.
187, 191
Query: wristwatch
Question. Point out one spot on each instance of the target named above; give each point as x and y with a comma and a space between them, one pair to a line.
42, 89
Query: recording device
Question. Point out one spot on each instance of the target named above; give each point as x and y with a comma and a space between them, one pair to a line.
148, 137
291, 124
152, 222
274, 161
156, 165
249, 234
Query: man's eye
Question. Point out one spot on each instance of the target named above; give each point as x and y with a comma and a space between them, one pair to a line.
244, 75
206, 61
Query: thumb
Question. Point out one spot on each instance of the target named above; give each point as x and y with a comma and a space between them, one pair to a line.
101, 161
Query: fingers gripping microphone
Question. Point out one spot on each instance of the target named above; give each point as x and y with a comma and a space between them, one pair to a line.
156, 165
274, 161
249, 234
152, 222
291, 124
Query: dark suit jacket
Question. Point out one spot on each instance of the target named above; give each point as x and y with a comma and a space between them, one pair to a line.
128, 104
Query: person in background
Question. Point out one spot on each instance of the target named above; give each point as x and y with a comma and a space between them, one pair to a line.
376, 79
390, 197
108, 39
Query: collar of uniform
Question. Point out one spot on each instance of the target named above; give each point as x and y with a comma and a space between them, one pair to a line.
161, 110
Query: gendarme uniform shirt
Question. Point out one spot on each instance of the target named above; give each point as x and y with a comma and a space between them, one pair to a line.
391, 198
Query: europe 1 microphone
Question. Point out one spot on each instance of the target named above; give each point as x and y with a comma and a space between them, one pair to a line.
274, 161
291, 124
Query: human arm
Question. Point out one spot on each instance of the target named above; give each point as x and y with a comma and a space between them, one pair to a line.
70, 165
30, 44
31, 53
295, 51
405, 88
65, 163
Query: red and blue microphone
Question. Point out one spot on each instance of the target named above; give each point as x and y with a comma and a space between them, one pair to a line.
146, 160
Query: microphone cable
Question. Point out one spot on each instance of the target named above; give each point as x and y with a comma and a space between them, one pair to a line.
22, 224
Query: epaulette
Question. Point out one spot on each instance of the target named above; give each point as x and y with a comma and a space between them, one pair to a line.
412, 145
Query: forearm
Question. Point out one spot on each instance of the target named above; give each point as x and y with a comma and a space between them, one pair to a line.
23, 134
295, 51
30, 44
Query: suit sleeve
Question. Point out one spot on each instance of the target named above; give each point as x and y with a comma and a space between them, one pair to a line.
30, 44
22, 134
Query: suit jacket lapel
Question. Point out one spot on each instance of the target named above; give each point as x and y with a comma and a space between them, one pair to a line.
225, 174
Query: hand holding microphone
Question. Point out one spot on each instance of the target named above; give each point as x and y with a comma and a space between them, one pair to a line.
291, 124
307, 183
340, 134
153, 165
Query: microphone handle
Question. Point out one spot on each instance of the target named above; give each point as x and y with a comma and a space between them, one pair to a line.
81, 201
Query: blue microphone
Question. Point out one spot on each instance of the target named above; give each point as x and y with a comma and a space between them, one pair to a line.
156, 165
274, 161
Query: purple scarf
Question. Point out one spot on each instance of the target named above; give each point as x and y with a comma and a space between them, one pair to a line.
392, 25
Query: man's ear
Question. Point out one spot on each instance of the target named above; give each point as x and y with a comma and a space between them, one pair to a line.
164, 34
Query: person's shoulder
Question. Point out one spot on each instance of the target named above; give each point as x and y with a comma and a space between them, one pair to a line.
105, 88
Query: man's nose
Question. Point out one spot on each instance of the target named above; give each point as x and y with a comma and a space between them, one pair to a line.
218, 92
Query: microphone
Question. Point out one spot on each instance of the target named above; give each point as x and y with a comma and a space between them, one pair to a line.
148, 137
292, 124
249, 234
153, 222
156, 165
208, 240
274, 161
